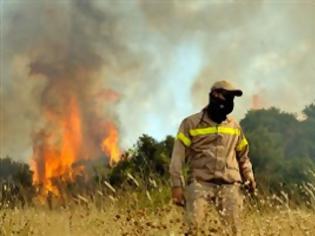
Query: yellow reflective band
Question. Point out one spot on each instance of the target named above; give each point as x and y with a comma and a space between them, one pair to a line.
214, 130
227, 130
203, 131
242, 145
184, 139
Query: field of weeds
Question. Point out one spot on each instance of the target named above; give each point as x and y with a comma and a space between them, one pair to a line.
138, 215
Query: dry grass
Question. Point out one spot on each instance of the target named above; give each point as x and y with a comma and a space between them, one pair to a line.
138, 212
116, 218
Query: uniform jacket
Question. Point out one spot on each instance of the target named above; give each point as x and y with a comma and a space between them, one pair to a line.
212, 151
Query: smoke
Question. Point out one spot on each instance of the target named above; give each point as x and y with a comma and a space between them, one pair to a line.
270, 55
145, 65
54, 57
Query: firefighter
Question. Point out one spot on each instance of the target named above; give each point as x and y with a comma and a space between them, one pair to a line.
215, 150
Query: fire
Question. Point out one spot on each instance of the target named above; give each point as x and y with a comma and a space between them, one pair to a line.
56, 151
60, 147
110, 144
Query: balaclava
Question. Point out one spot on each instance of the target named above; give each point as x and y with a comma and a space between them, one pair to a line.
218, 108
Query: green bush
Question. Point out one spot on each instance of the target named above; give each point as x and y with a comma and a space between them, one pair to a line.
15, 182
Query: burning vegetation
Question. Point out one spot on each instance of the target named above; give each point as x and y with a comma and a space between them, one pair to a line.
59, 150
77, 125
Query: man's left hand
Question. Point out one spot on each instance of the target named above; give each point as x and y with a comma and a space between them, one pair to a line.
251, 185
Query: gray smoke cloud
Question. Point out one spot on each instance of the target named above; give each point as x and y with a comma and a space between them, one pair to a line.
265, 47
145, 65
271, 56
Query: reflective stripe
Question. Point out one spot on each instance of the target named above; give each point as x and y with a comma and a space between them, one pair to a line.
242, 145
214, 130
226, 130
184, 139
203, 131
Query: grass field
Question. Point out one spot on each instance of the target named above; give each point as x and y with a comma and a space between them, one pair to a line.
133, 215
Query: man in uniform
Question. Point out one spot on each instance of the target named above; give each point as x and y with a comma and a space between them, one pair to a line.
216, 151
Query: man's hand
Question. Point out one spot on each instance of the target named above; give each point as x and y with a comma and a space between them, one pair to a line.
250, 184
178, 196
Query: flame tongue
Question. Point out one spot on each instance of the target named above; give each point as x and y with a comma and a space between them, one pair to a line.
110, 144
56, 152
59, 147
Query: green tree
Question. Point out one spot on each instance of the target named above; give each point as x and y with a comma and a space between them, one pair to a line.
15, 182
281, 147
147, 161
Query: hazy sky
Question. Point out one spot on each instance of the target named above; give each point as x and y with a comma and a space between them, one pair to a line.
160, 57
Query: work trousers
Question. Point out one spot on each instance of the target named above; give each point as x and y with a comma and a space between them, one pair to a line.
227, 199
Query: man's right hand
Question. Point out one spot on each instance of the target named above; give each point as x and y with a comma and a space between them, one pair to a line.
178, 196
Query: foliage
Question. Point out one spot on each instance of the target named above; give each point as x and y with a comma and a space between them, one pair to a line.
15, 182
281, 146
147, 162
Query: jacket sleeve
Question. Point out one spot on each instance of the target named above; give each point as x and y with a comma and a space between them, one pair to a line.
182, 143
242, 150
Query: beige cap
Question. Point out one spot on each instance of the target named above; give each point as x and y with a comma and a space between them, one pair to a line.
228, 86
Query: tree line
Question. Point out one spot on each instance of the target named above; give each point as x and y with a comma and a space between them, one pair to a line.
282, 150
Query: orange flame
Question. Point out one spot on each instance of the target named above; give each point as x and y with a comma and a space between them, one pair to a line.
110, 144
55, 153
60, 147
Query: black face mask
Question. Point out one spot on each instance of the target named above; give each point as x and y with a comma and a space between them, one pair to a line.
218, 109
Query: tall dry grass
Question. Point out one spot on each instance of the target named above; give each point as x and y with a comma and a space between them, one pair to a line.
136, 211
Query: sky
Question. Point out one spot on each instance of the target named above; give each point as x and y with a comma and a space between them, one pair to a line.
159, 58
